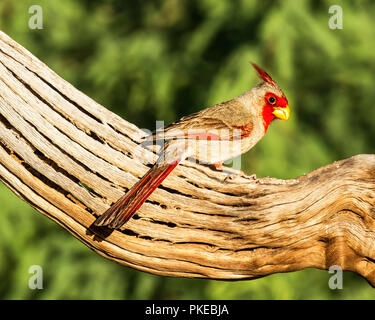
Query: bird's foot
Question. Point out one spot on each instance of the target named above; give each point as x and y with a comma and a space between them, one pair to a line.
240, 178
235, 174
219, 166
253, 176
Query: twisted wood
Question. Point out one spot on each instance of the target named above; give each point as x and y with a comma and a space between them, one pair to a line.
70, 158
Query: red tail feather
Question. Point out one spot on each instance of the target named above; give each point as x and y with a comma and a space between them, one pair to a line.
131, 201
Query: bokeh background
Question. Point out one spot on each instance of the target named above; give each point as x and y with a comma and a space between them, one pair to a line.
160, 60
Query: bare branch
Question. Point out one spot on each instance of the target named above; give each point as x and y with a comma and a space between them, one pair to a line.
70, 158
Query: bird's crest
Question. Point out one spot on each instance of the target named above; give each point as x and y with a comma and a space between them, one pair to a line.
263, 74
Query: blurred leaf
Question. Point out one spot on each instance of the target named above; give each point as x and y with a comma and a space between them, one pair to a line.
160, 60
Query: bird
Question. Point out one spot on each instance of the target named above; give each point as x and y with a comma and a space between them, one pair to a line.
210, 136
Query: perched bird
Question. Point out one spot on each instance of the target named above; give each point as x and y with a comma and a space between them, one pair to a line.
212, 136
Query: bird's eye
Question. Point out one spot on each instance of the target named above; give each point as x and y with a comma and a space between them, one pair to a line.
272, 100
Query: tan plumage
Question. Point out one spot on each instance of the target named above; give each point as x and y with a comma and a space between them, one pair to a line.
212, 135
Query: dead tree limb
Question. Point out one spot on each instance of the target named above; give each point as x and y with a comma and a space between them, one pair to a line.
70, 158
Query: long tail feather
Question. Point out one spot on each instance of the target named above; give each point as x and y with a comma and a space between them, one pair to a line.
130, 202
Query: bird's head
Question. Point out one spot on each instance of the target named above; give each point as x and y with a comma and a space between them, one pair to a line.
272, 101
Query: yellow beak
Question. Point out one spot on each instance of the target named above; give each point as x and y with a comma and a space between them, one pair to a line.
281, 113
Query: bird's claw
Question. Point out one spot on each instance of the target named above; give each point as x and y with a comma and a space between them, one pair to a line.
242, 175
253, 176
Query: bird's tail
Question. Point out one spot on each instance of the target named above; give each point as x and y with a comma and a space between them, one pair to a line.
130, 202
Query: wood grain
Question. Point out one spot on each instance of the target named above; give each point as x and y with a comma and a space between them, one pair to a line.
70, 158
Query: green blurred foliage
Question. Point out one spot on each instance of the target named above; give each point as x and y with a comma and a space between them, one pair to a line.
164, 59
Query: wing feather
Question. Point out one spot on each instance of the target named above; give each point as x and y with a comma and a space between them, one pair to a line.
210, 124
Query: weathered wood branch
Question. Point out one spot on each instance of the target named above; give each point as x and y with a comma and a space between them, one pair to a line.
70, 158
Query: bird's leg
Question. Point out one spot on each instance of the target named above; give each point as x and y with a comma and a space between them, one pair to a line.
218, 165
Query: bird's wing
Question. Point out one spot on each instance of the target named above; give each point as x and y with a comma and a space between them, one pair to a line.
210, 124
